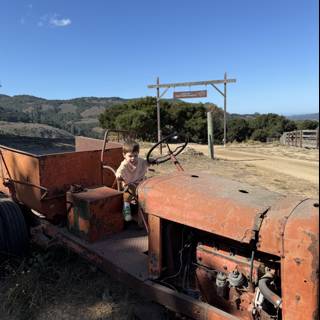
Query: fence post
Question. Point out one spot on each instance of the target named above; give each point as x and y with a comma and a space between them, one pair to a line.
290, 139
210, 134
301, 137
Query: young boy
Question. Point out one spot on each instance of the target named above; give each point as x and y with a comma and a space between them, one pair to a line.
131, 172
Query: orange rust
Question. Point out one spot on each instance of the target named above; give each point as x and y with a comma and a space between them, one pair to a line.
270, 235
84, 225
284, 230
89, 144
155, 247
56, 172
300, 263
223, 261
209, 203
23, 167
70, 219
96, 213
291, 231
207, 287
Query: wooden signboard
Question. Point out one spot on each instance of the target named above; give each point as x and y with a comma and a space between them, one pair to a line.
189, 94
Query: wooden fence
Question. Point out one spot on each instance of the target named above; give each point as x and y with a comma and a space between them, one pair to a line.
301, 138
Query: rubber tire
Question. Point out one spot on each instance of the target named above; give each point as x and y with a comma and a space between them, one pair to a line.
13, 228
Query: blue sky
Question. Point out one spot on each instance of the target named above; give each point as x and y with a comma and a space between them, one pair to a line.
58, 49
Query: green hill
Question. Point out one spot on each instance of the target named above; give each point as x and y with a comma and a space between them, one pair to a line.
79, 115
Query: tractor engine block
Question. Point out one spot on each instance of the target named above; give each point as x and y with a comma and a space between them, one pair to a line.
227, 280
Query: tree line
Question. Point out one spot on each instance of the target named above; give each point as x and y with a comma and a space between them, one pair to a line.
191, 119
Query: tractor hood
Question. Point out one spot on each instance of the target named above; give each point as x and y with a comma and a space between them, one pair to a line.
210, 203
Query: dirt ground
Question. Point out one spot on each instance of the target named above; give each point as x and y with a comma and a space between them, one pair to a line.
58, 285
282, 169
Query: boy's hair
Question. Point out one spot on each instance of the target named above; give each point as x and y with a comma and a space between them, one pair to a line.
130, 146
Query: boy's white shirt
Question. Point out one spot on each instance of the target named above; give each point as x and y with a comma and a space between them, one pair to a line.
130, 173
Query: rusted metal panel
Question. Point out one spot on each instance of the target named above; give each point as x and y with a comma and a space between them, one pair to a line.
87, 144
95, 213
229, 304
209, 259
81, 168
155, 247
272, 228
189, 94
290, 230
213, 204
20, 166
226, 262
56, 172
300, 263
127, 251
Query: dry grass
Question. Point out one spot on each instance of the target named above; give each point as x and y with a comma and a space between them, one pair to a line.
57, 284
32, 130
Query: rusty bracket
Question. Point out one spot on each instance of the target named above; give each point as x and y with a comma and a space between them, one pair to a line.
145, 223
258, 222
284, 223
5, 165
9, 183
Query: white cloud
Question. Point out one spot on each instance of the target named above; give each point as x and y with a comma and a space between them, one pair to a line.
60, 22
53, 20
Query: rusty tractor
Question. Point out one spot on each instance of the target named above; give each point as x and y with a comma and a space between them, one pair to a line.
210, 248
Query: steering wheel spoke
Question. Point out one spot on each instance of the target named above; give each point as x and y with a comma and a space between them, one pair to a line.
177, 149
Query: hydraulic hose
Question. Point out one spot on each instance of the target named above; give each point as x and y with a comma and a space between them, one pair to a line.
269, 294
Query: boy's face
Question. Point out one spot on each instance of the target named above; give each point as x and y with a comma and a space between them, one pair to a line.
131, 157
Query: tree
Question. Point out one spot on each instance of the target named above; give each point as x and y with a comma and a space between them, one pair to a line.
307, 125
238, 130
140, 116
137, 121
270, 125
260, 135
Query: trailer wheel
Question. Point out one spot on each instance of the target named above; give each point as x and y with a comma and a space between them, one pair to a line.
13, 228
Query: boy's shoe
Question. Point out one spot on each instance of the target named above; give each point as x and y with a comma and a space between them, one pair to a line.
126, 211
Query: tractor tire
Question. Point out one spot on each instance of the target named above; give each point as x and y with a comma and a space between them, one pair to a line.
13, 228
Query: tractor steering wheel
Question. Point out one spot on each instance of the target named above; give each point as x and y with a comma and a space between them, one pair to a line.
170, 153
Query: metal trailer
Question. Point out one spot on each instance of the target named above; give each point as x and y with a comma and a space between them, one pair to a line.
211, 248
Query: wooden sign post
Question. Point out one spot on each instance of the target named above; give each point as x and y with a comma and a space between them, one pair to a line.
192, 94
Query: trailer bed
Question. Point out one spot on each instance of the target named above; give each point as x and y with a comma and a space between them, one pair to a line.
127, 250
40, 180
